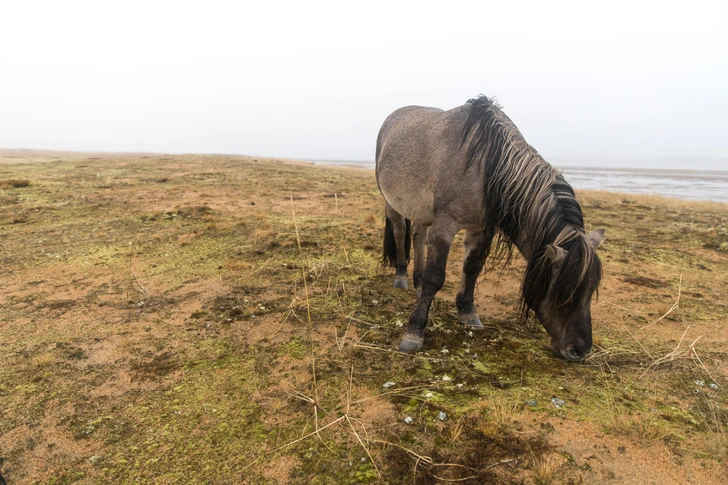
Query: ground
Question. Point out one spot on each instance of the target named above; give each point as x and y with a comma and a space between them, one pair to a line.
219, 319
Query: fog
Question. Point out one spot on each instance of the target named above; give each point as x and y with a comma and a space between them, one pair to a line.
586, 83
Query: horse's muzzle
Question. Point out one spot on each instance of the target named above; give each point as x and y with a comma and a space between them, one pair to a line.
572, 353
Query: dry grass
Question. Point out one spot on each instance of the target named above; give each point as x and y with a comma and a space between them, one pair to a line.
714, 443
647, 430
14, 183
455, 431
545, 470
45, 359
498, 416
643, 429
603, 197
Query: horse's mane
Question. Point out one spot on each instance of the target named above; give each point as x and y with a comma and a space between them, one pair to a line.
522, 191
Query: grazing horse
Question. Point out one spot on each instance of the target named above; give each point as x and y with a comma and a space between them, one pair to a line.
470, 168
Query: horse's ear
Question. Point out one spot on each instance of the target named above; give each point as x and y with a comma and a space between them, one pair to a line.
556, 254
596, 237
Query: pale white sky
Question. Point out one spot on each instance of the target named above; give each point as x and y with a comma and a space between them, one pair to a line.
308, 79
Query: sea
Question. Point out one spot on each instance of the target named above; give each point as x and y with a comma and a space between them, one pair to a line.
676, 178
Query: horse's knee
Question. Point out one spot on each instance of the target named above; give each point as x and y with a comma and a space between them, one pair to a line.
433, 279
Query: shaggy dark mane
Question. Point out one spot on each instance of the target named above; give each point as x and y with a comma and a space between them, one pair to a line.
524, 193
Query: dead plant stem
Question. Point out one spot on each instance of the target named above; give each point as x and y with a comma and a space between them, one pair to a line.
672, 308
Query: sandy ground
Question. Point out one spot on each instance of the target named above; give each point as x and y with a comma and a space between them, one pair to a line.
196, 319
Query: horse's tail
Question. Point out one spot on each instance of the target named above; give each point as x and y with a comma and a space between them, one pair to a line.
389, 253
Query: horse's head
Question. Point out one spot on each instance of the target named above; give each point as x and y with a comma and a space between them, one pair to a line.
571, 275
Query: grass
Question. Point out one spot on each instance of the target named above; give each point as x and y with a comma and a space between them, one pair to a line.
545, 470
44, 359
499, 416
640, 428
196, 319
14, 183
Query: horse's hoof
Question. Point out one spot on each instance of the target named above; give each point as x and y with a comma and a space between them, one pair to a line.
473, 323
408, 346
400, 284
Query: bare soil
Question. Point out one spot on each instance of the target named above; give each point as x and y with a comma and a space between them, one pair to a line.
219, 319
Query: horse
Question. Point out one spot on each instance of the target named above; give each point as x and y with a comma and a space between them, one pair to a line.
471, 168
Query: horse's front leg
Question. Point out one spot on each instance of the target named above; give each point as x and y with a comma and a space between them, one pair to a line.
477, 247
439, 240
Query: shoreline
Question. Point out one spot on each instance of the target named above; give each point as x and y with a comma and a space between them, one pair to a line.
674, 184
683, 184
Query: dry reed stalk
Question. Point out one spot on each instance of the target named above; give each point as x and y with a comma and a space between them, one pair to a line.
372, 347
454, 479
694, 354
617, 306
414, 454
141, 288
363, 322
672, 308
261, 267
638, 342
671, 356
291, 443
362, 444
304, 271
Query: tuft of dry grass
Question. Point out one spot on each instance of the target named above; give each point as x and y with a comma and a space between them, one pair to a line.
644, 430
545, 470
14, 183
504, 413
715, 442
648, 430
45, 359
500, 415
453, 432
620, 423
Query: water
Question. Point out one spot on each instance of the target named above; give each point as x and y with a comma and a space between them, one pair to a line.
706, 180
681, 184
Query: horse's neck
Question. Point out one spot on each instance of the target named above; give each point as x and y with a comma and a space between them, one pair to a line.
523, 244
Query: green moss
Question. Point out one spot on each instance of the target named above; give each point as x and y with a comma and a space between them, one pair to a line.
295, 348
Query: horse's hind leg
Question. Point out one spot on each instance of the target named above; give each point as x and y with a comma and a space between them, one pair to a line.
397, 236
439, 240
419, 238
477, 247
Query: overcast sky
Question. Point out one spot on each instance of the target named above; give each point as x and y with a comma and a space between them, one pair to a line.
582, 80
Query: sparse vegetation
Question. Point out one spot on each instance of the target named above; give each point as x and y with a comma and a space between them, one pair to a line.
499, 416
195, 319
545, 470
14, 183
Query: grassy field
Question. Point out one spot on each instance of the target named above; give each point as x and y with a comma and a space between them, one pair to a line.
224, 320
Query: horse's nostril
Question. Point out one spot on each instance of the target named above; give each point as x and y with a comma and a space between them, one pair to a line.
576, 354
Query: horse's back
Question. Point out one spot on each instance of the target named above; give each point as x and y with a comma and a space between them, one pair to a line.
407, 128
